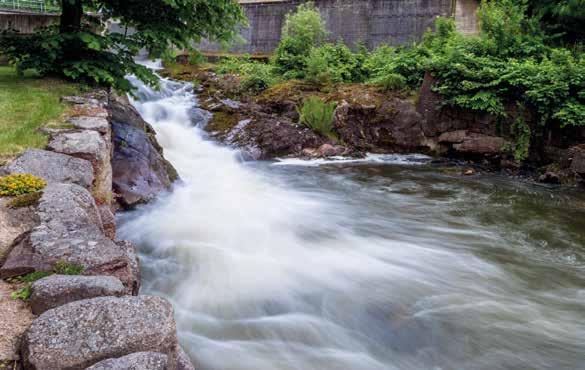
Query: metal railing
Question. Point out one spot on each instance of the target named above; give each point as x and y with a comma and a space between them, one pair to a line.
36, 6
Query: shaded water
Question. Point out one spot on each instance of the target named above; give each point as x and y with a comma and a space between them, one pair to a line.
387, 263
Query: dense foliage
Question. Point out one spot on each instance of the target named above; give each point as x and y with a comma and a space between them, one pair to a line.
526, 62
79, 50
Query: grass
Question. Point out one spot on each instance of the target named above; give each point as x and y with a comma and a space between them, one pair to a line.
27, 103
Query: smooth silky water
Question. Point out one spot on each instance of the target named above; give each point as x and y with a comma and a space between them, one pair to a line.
384, 263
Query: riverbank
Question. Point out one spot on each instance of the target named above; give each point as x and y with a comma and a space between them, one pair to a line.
68, 281
367, 118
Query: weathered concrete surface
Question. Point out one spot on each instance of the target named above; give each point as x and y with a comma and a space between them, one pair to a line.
372, 22
83, 333
135, 361
57, 290
52, 167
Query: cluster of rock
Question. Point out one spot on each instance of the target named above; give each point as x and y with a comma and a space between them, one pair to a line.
370, 120
95, 320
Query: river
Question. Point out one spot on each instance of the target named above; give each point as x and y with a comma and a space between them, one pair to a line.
383, 263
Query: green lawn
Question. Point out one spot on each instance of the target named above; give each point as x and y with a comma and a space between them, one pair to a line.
26, 104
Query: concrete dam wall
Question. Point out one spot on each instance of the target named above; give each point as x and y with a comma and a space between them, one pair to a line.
371, 22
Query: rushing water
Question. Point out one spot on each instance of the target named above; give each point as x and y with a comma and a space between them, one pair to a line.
383, 263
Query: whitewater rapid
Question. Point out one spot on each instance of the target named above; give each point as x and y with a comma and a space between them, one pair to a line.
293, 265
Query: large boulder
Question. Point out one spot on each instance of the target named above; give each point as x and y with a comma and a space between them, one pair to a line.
384, 124
53, 167
71, 231
140, 172
265, 136
83, 333
135, 361
89, 145
57, 290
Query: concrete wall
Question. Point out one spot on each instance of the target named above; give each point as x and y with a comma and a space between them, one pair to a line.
26, 23
372, 22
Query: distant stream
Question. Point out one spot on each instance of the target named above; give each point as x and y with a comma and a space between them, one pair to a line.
383, 263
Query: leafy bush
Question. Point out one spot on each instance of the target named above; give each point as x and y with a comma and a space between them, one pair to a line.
196, 57
19, 184
302, 30
318, 116
390, 81
256, 76
334, 62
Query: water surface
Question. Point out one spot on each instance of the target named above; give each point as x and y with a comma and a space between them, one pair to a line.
384, 263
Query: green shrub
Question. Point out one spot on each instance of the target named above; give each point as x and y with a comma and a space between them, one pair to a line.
318, 116
302, 30
256, 76
25, 200
196, 58
19, 184
390, 81
334, 62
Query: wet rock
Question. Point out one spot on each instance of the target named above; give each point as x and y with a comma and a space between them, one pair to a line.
135, 361
465, 141
550, 178
266, 137
140, 172
53, 167
183, 360
577, 154
91, 146
57, 290
328, 150
83, 333
70, 231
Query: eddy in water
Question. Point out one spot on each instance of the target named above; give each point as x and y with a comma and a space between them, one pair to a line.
379, 264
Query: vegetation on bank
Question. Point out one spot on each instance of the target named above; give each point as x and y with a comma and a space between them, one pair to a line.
27, 103
526, 64
61, 268
81, 49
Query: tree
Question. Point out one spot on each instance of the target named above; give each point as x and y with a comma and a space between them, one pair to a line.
78, 49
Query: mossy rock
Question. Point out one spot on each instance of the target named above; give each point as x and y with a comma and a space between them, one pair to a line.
25, 200
222, 122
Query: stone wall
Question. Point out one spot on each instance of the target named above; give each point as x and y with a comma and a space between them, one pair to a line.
372, 22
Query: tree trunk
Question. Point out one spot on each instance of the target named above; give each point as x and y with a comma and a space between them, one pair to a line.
71, 14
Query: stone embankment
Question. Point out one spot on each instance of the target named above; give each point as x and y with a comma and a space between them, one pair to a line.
104, 159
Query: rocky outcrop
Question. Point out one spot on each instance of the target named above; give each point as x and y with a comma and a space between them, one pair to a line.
91, 146
57, 290
140, 172
53, 167
135, 361
70, 231
83, 333
92, 317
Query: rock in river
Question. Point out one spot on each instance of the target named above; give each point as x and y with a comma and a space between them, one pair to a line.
135, 361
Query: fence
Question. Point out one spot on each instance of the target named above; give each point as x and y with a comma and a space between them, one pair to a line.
37, 6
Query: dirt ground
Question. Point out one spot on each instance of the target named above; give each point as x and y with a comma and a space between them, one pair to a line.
15, 315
